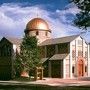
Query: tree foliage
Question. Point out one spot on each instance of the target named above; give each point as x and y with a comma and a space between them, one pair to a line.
29, 56
82, 19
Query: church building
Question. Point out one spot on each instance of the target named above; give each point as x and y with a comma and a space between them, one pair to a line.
64, 57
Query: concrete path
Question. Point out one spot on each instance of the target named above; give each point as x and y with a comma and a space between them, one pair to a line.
65, 82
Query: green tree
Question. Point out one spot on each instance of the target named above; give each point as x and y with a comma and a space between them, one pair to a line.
82, 19
18, 65
29, 56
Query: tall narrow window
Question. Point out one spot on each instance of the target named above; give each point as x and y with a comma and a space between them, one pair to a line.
46, 33
8, 51
37, 33
73, 69
85, 68
73, 53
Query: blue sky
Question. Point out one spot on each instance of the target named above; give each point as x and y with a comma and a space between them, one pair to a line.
51, 4
15, 14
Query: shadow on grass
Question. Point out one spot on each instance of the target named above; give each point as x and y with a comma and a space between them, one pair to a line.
44, 88
38, 86
26, 79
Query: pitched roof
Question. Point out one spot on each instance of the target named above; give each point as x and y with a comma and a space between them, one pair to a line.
58, 57
58, 40
16, 41
43, 60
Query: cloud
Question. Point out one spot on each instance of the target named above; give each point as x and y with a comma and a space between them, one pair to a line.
68, 14
14, 17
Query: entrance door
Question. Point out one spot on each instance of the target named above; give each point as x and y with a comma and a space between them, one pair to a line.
80, 68
56, 69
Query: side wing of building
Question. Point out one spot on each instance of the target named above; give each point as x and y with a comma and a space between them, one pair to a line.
8, 49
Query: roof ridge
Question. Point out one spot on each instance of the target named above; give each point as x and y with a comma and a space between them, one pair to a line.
13, 40
67, 36
59, 40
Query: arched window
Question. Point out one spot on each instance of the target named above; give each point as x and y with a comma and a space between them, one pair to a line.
46, 33
8, 51
37, 33
85, 68
2, 51
5, 51
73, 69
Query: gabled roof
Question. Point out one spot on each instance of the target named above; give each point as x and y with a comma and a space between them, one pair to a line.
58, 57
43, 60
59, 40
13, 40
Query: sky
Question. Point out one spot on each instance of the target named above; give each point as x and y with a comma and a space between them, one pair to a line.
59, 14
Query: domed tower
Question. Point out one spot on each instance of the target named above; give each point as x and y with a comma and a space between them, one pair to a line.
39, 28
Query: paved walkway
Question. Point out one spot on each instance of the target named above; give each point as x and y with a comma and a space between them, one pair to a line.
65, 82
52, 82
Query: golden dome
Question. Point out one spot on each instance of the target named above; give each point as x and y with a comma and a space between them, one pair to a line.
37, 24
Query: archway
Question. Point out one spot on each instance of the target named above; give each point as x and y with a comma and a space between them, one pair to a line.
81, 68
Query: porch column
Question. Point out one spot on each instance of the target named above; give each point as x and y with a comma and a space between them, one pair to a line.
49, 69
88, 62
64, 68
83, 48
76, 57
70, 62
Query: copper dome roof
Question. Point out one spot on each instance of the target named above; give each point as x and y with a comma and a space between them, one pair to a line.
37, 23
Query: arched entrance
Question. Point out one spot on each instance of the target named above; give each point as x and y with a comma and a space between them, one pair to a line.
81, 68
